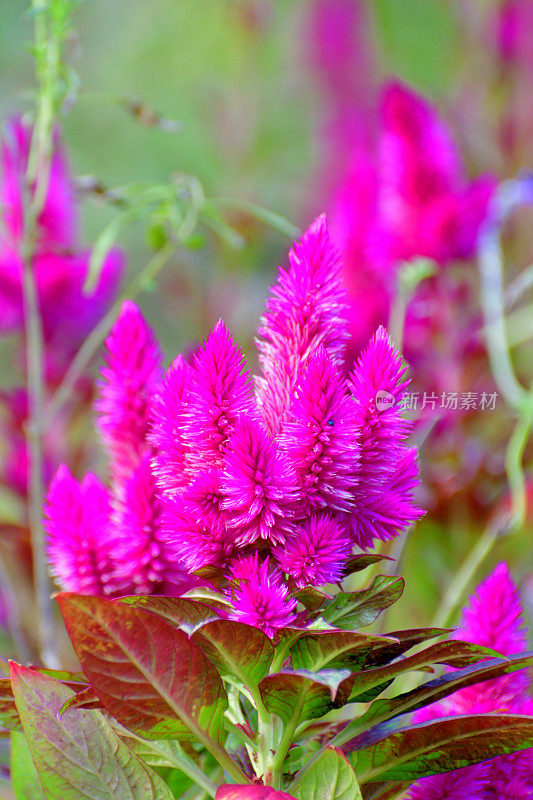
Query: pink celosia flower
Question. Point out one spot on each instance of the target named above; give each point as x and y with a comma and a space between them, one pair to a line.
219, 392
316, 551
492, 618
387, 474
306, 311
67, 313
405, 198
259, 486
260, 596
79, 534
146, 560
166, 433
131, 374
320, 436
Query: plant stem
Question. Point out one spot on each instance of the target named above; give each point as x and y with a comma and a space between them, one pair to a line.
273, 220
276, 765
464, 577
47, 48
91, 344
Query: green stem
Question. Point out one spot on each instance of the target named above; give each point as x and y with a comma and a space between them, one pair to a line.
48, 57
462, 580
515, 471
274, 221
276, 764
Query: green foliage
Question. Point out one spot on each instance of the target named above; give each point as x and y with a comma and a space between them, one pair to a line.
181, 689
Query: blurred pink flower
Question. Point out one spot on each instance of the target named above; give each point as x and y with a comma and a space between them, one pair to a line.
60, 266
407, 197
493, 618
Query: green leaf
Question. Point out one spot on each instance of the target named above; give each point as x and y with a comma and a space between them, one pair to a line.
383, 710
350, 610
78, 756
384, 790
330, 778
24, 776
184, 614
100, 250
147, 674
237, 650
302, 695
441, 745
401, 641
363, 561
452, 653
334, 649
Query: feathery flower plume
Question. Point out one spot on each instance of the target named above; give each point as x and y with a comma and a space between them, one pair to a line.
200, 541
320, 436
316, 552
493, 618
78, 527
307, 309
166, 430
260, 596
219, 392
387, 473
130, 377
146, 561
260, 487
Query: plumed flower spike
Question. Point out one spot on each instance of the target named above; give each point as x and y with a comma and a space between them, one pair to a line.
166, 430
78, 527
220, 391
316, 552
320, 436
200, 540
259, 486
493, 618
146, 560
306, 310
130, 378
260, 597
387, 476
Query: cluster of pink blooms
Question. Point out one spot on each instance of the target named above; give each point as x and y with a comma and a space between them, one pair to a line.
259, 489
60, 266
493, 618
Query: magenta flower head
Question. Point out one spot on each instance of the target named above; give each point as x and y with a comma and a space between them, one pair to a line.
260, 597
316, 551
306, 311
79, 534
146, 560
167, 427
493, 618
60, 266
129, 379
320, 436
197, 523
260, 488
387, 475
219, 392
